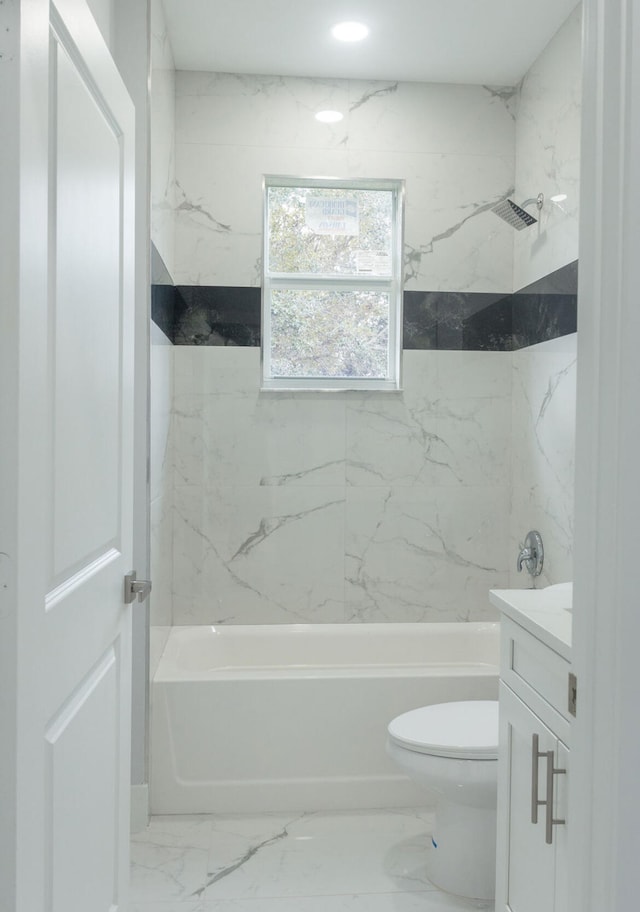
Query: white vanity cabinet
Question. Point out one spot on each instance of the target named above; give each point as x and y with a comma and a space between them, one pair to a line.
534, 761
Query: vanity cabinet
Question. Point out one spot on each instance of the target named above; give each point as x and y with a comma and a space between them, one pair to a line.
534, 765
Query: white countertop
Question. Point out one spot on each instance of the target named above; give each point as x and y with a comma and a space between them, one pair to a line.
543, 612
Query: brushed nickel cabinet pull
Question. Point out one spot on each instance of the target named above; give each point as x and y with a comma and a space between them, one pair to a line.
551, 821
535, 757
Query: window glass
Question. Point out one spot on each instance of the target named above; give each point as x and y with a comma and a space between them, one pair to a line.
332, 286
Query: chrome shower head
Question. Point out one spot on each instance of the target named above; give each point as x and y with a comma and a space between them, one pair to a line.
515, 215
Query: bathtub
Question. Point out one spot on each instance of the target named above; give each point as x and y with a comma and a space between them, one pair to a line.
294, 717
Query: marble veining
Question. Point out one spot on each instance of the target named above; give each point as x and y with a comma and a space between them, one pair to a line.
453, 145
374, 93
413, 257
548, 154
543, 417
331, 508
372, 861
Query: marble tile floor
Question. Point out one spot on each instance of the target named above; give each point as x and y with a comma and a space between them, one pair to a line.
351, 861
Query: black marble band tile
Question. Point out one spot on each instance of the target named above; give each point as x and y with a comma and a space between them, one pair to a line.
547, 309
457, 321
164, 295
217, 315
453, 321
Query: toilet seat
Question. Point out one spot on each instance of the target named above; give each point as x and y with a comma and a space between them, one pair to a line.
462, 730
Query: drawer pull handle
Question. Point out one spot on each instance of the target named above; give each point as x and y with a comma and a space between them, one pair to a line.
535, 758
551, 821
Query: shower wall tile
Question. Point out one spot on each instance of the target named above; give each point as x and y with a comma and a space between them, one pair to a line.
199, 372
259, 439
258, 555
453, 145
377, 114
544, 399
161, 476
269, 485
161, 404
452, 241
426, 554
161, 550
440, 431
454, 119
548, 154
162, 142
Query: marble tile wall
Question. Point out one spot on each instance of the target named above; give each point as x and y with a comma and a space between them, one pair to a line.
358, 507
543, 448
161, 366
161, 477
548, 154
453, 145
162, 142
373, 507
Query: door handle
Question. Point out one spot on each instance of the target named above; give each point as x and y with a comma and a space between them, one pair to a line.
134, 587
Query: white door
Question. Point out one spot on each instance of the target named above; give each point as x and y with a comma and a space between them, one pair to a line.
68, 472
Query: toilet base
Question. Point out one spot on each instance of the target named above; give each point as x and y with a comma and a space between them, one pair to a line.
462, 859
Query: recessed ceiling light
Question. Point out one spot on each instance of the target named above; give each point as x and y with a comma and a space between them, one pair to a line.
558, 198
329, 116
350, 31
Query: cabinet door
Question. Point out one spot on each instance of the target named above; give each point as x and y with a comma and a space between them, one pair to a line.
526, 864
560, 832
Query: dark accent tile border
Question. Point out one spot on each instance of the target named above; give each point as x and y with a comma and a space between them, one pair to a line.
547, 308
163, 295
454, 321
217, 315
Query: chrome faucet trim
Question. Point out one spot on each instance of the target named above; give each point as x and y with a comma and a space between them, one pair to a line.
531, 554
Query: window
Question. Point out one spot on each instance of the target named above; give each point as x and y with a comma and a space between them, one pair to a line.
332, 289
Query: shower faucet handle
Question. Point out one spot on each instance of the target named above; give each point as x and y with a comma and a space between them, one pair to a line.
531, 554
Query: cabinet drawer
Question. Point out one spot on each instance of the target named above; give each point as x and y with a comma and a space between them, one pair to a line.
528, 665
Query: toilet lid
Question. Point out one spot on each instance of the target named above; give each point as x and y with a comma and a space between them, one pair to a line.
467, 731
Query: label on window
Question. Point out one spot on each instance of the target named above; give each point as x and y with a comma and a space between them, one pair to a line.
332, 216
373, 262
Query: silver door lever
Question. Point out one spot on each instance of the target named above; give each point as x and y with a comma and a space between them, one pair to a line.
134, 586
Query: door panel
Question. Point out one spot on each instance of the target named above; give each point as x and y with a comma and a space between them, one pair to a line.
85, 311
82, 821
70, 226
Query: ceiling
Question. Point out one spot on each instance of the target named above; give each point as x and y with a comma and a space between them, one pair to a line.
490, 42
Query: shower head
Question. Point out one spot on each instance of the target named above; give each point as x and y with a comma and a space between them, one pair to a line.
515, 215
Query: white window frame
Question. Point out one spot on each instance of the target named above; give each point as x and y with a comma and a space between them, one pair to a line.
391, 284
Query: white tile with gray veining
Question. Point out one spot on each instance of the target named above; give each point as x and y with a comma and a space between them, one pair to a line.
162, 138
169, 860
242, 110
453, 145
428, 118
424, 554
259, 439
544, 398
160, 408
452, 241
161, 558
219, 206
258, 555
322, 860
548, 155
450, 426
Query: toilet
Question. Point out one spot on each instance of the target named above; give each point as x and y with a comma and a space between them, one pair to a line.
452, 750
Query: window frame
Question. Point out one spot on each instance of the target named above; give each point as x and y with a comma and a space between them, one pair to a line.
392, 284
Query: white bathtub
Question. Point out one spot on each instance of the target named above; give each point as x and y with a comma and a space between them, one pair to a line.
294, 717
